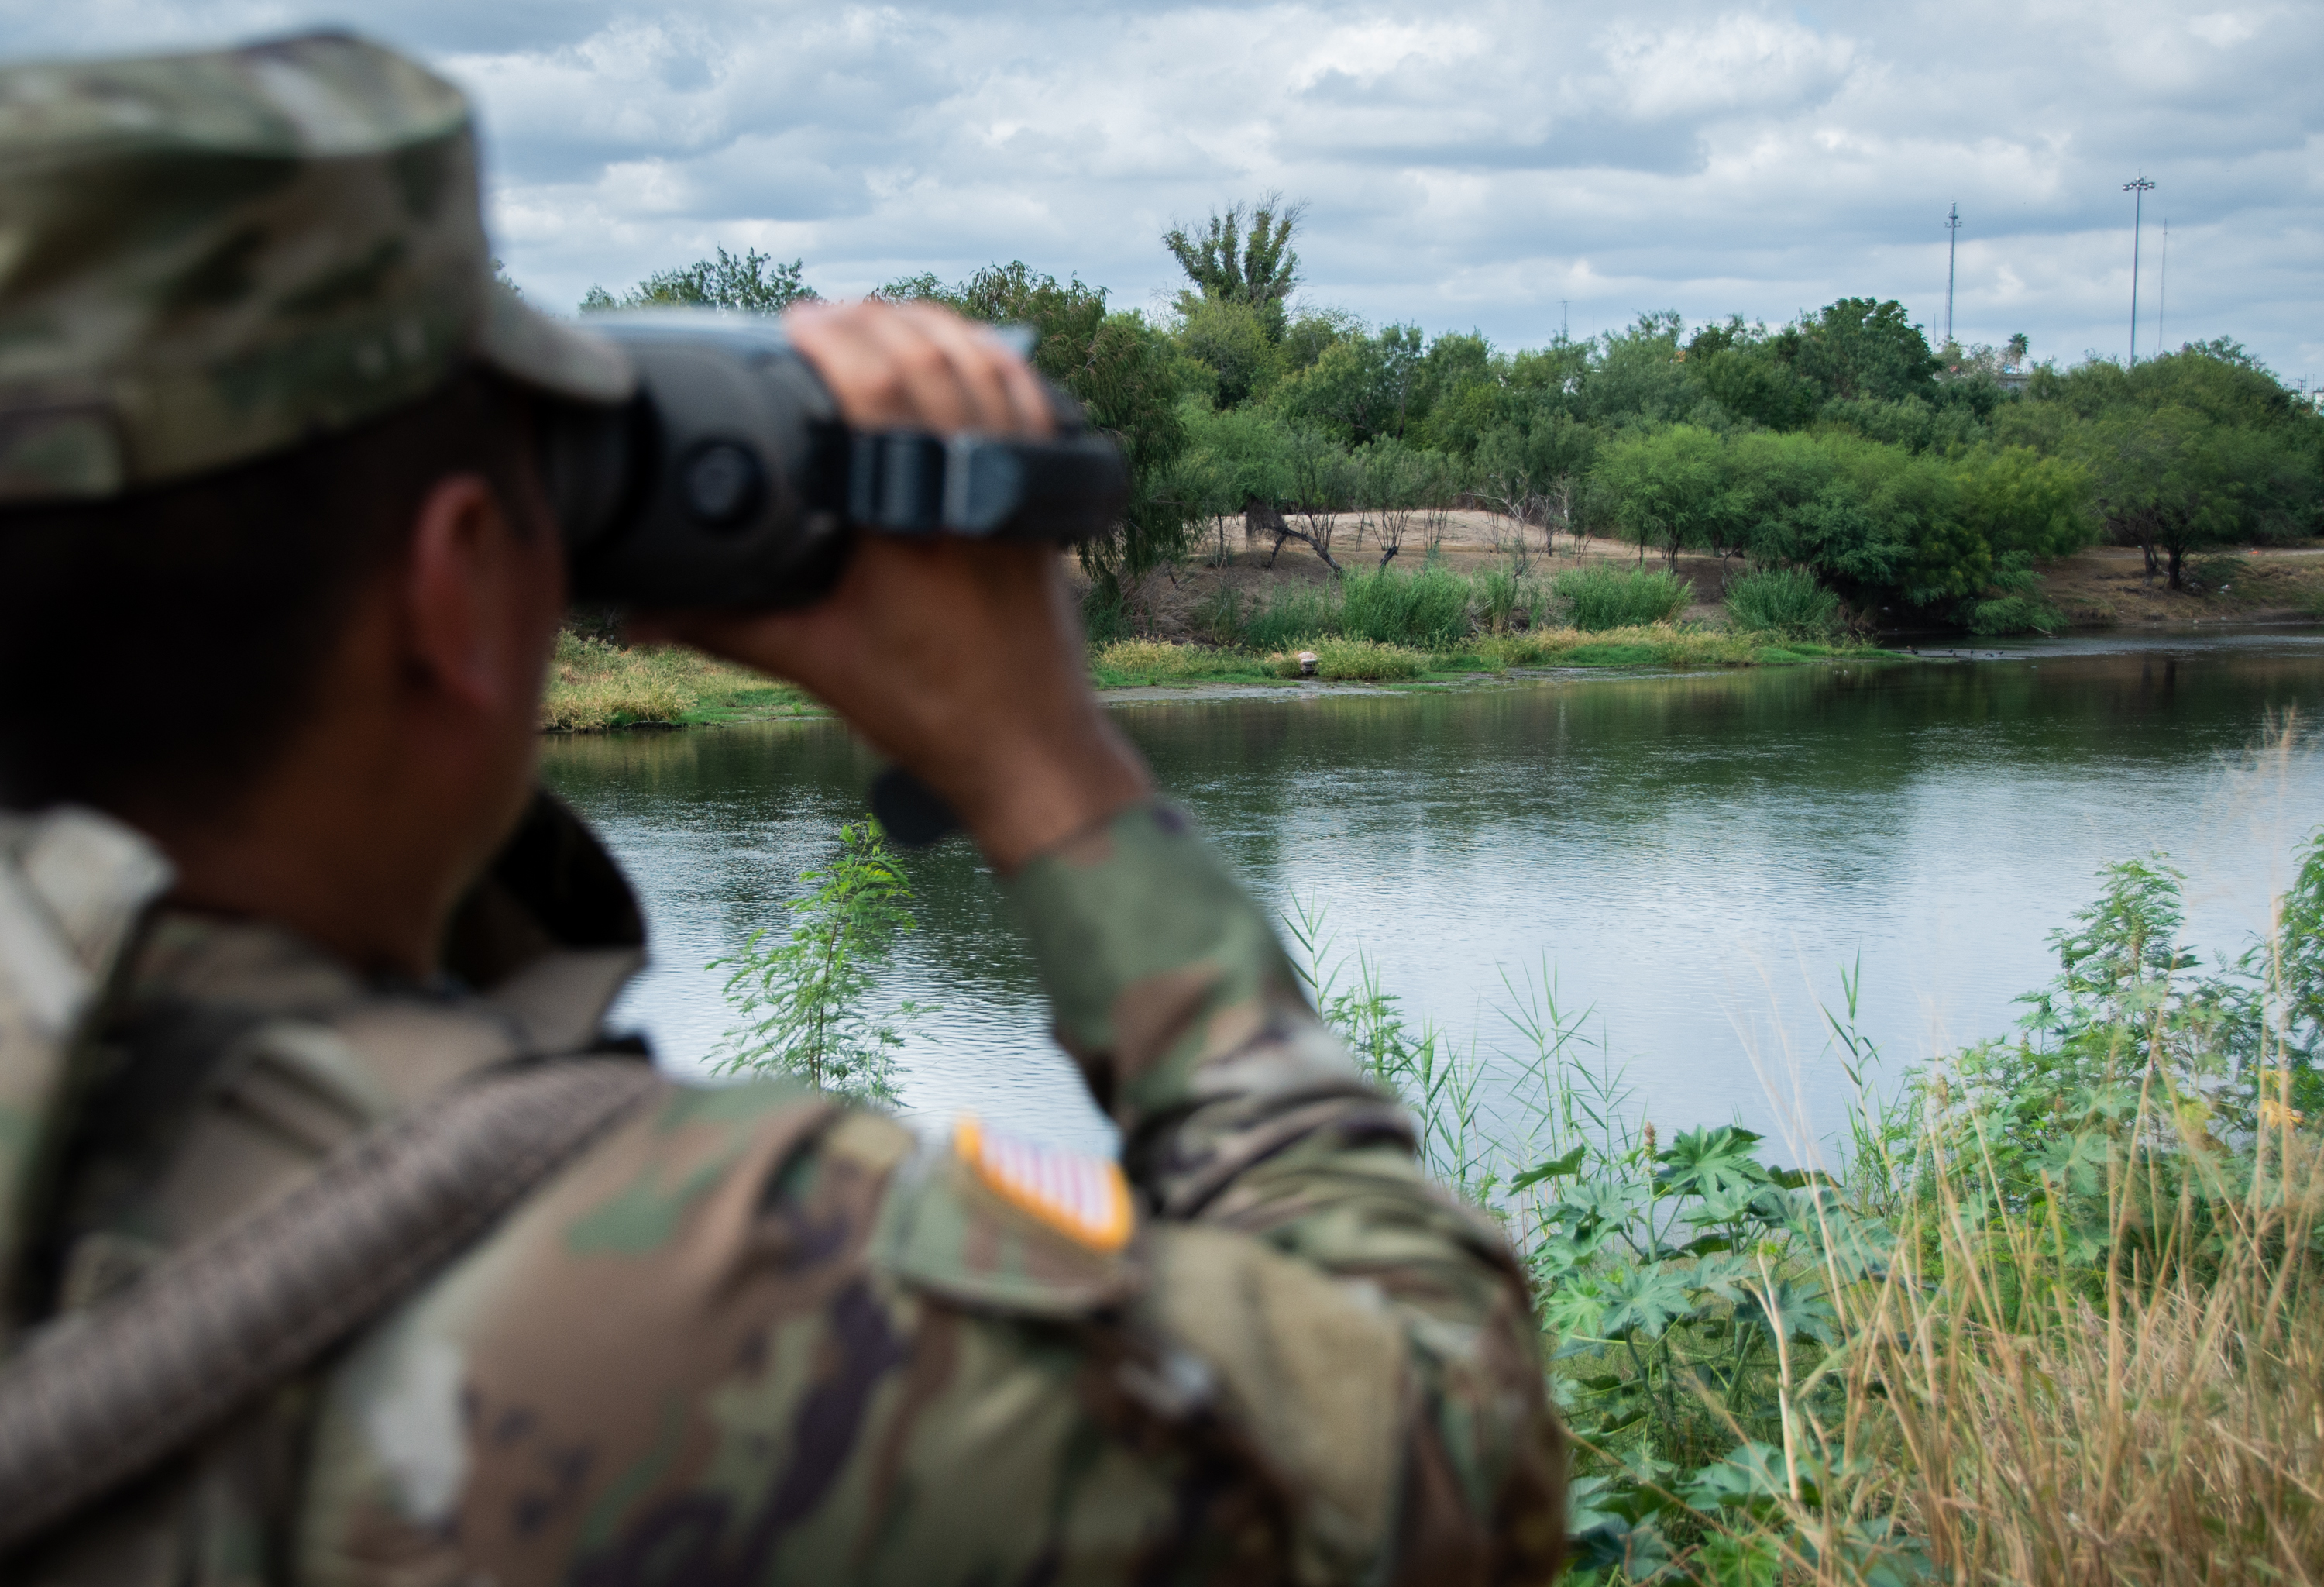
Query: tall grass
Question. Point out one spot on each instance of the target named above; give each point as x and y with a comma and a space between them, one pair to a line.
1601, 596
1428, 609
2054, 1317
1785, 600
594, 685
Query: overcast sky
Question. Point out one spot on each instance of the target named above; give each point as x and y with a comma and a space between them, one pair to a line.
1480, 166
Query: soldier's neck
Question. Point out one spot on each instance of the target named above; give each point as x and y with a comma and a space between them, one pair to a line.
363, 835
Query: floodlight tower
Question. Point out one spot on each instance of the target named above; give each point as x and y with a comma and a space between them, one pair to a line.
1952, 251
2142, 187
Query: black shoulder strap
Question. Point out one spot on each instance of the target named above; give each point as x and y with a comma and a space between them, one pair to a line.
99, 1396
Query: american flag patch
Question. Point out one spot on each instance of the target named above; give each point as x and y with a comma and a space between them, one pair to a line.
1081, 1197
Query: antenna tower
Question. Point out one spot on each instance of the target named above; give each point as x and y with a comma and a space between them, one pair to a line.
1952, 250
2142, 187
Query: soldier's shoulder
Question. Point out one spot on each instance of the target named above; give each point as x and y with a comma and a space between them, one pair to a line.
730, 1268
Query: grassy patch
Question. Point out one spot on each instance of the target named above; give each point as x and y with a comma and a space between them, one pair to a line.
595, 685
1139, 663
1366, 661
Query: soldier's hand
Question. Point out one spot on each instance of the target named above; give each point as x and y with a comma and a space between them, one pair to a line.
962, 660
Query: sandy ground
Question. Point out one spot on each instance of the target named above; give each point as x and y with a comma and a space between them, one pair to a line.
2103, 587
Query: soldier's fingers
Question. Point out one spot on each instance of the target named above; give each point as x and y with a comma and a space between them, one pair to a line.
928, 385
995, 379
854, 366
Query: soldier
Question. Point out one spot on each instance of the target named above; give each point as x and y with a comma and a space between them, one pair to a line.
284, 930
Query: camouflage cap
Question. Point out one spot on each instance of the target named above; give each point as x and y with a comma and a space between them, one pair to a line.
205, 258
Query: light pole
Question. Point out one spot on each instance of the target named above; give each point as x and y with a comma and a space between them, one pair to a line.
1952, 250
2142, 187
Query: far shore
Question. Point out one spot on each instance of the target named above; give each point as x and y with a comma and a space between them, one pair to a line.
597, 684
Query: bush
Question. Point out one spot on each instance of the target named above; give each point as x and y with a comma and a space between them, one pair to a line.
1604, 596
2013, 615
1786, 601
1302, 612
1428, 609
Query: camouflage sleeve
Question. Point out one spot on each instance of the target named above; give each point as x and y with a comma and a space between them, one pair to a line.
753, 1338
1282, 1186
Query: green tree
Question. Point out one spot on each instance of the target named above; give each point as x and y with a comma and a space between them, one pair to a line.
1359, 387
1231, 341
752, 283
1243, 256
1664, 487
801, 1002
1857, 347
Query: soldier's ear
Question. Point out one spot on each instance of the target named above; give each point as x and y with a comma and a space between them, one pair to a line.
466, 576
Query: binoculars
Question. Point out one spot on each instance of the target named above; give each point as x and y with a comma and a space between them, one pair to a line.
729, 480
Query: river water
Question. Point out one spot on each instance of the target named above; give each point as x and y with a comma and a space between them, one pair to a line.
1692, 860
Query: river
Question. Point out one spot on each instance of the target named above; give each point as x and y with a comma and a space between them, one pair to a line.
1694, 860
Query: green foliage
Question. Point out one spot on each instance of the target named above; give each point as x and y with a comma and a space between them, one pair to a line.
1723, 1327
1243, 256
1231, 342
1858, 348
1360, 387
1665, 485
1598, 596
800, 1001
1790, 601
725, 281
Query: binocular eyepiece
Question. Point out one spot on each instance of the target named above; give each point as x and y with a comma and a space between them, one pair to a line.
729, 480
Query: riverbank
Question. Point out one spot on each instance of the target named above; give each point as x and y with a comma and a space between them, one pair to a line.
2100, 587
595, 684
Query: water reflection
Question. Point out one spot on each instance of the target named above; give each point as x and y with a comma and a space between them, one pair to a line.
1693, 858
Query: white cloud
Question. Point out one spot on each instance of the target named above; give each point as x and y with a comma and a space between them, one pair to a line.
1463, 166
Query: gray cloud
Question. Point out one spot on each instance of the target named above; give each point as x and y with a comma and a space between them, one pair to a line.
1466, 166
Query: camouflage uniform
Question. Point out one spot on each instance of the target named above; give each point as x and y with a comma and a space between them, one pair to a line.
746, 1336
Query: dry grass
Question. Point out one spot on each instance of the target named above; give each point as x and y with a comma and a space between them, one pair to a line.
1361, 660
2009, 1422
1657, 645
594, 685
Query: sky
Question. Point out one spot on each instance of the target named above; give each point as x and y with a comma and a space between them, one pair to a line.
1512, 169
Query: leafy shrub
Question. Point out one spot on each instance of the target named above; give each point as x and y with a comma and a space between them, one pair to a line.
1602, 595
2015, 614
1788, 601
801, 1002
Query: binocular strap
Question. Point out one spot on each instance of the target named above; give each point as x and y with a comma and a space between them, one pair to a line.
101, 1396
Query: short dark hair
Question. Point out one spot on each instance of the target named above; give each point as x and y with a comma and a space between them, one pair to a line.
163, 648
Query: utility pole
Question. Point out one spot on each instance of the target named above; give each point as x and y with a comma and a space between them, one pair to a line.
2142, 187
1563, 304
1952, 251
2162, 293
